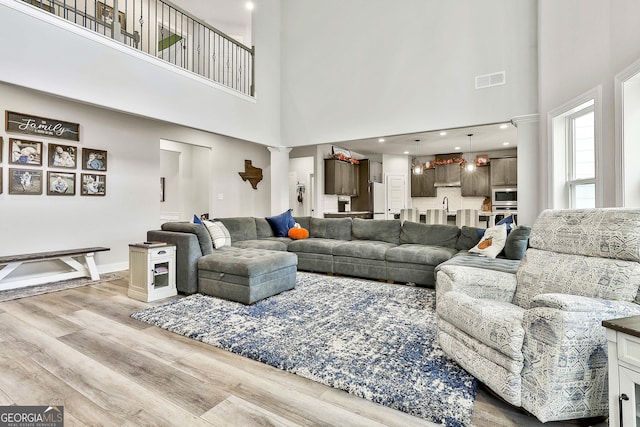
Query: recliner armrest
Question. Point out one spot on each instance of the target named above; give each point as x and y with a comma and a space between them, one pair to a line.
476, 282
577, 303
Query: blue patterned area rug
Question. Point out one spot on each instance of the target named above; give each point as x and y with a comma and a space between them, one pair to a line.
373, 340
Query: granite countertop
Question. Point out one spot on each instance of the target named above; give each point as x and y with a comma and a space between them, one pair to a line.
627, 325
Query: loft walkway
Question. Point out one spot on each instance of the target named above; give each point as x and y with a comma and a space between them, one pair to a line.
165, 31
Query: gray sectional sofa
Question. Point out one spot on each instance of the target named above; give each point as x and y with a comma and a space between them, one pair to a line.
375, 249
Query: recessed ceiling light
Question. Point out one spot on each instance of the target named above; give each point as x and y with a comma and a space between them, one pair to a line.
443, 133
380, 139
456, 148
504, 126
249, 5
505, 143
406, 152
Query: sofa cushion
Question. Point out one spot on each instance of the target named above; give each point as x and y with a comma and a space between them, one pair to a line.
517, 242
367, 249
271, 244
495, 324
543, 272
281, 224
377, 229
330, 228
201, 232
263, 229
314, 246
420, 254
604, 232
429, 234
240, 228
469, 237
304, 221
246, 262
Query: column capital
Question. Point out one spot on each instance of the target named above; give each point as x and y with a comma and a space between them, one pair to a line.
279, 149
525, 118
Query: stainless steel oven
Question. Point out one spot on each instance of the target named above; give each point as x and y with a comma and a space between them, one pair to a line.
504, 197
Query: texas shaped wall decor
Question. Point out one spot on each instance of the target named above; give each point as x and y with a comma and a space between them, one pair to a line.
251, 174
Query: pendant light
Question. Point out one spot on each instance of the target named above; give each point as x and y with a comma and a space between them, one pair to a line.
417, 168
471, 166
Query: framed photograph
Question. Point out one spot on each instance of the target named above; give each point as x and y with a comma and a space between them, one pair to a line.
105, 16
62, 156
93, 185
61, 183
162, 189
25, 181
41, 126
93, 159
23, 152
1, 140
1, 186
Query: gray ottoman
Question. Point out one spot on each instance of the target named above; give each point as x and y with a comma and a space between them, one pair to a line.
246, 275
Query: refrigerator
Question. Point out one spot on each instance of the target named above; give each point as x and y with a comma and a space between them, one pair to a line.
377, 203
371, 193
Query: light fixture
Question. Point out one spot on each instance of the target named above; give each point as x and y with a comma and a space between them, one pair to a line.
406, 152
504, 126
456, 148
505, 143
417, 168
443, 133
380, 139
249, 5
470, 163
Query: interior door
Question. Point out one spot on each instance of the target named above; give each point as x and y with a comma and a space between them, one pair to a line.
396, 194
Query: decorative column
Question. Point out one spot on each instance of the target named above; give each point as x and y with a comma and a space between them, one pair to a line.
529, 206
279, 179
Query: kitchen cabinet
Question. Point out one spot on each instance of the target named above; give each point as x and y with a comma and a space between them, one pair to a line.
340, 178
504, 172
448, 175
423, 185
375, 172
475, 183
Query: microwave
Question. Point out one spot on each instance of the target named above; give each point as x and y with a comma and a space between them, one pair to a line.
502, 196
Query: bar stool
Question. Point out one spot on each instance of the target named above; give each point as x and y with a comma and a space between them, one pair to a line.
409, 214
468, 217
435, 216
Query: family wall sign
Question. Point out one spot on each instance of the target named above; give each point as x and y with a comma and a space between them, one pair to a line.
42, 126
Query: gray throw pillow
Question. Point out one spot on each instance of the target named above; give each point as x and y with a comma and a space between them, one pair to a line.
517, 242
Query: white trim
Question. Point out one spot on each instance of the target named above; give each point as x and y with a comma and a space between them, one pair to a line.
619, 80
565, 109
79, 30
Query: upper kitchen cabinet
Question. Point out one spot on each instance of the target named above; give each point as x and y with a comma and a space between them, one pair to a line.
423, 185
476, 182
504, 172
340, 177
448, 175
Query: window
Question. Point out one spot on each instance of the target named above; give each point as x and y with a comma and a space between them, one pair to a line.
573, 153
581, 169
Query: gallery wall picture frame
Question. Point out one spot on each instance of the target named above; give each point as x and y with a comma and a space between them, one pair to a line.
41, 126
1, 141
161, 189
61, 183
25, 153
105, 16
93, 184
25, 181
1, 186
94, 160
62, 156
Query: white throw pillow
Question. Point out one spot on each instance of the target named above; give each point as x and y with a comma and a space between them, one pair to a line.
492, 242
219, 234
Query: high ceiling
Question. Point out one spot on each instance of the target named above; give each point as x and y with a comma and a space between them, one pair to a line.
232, 17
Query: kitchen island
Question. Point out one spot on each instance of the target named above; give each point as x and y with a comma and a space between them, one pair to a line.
349, 214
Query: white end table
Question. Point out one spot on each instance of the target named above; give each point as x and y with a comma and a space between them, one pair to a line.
152, 271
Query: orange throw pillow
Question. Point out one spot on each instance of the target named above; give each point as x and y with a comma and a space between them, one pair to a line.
298, 233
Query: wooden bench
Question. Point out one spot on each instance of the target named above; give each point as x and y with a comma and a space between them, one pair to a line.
12, 262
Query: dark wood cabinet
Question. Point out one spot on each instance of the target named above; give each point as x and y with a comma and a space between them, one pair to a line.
475, 183
340, 178
504, 172
423, 185
448, 175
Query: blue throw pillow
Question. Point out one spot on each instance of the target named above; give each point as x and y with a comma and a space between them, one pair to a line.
197, 220
281, 224
507, 220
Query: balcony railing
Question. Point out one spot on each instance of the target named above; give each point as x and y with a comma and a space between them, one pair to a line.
166, 32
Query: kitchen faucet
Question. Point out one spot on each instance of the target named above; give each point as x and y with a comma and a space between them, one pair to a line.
445, 204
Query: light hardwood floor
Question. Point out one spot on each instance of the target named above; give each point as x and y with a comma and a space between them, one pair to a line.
79, 348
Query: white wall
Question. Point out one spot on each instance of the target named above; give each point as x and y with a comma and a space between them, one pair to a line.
300, 170
78, 64
131, 205
362, 68
600, 41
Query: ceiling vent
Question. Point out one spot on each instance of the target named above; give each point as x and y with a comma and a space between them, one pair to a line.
488, 80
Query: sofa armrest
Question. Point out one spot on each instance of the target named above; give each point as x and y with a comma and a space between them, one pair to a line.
576, 303
188, 253
476, 282
565, 349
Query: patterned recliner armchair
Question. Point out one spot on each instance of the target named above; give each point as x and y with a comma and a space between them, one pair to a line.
535, 338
